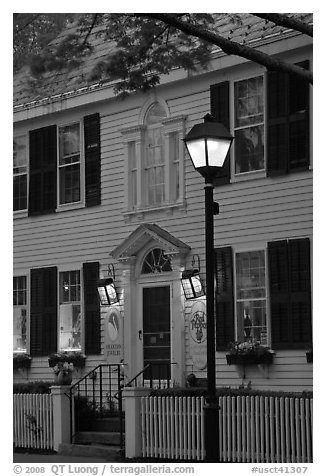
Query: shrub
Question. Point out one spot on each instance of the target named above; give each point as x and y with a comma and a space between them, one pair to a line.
85, 413
32, 387
226, 391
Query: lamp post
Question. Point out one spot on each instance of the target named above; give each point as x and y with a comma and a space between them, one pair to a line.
208, 145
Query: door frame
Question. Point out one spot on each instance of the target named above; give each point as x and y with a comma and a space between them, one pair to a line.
150, 283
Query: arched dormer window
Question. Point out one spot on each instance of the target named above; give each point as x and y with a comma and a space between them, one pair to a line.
154, 151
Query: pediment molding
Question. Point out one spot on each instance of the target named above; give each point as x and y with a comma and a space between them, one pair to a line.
149, 235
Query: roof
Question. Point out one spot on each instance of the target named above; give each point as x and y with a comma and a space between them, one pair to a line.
243, 28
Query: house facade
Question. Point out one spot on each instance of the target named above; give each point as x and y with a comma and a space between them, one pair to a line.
103, 187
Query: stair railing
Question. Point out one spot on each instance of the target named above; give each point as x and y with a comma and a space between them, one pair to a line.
92, 386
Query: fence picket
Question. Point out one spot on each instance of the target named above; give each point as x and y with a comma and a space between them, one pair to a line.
252, 428
33, 421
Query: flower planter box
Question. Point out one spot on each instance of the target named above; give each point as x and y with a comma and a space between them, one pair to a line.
78, 359
249, 359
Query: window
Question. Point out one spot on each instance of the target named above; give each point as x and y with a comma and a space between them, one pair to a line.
270, 124
61, 167
70, 310
156, 261
20, 173
248, 291
69, 163
64, 315
251, 297
20, 314
249, 125
154, 161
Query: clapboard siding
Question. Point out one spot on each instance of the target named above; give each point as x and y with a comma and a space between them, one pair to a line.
252, 212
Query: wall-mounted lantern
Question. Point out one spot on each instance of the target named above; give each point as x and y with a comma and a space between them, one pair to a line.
106, 288
191, 282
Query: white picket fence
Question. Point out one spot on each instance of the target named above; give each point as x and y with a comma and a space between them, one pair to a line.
33, 421
252, 429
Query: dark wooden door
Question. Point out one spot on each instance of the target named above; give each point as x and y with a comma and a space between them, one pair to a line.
156, 331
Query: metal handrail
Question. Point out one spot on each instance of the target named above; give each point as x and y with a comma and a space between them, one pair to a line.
92, 375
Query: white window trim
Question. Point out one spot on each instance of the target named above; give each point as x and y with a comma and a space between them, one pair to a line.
27, 274
254, 174
23, 212
81, 202
62, 269
136, 134
247, 249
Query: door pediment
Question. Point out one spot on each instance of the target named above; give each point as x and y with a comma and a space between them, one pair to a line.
143, 236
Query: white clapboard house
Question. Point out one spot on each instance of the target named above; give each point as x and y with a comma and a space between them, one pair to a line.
104, 187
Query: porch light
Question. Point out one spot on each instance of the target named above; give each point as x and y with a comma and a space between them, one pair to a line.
107, 291
208, 144
191, 282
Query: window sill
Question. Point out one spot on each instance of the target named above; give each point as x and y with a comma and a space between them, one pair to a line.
141, 213
20, 214
69, 206
253, 175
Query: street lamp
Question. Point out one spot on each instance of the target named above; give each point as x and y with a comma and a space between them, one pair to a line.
208, 145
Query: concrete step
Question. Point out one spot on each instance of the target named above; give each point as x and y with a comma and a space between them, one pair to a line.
110, 453
100, 437
110, 424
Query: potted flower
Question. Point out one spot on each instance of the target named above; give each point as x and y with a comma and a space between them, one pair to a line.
21, 360
63, 373
74, 357
246, 353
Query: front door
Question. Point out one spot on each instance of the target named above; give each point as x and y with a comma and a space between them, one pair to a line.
156, 331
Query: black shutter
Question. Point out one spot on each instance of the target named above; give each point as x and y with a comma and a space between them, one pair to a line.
279, 294
92, 309
220, 109
224, 298
300, 295
43, 316
92, 160
43, 171
289, 279
287, 131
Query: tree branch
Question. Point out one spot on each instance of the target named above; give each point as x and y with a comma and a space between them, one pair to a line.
288, 22
91, 28
231, 47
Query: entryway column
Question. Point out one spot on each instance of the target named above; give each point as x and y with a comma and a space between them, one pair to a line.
130, 319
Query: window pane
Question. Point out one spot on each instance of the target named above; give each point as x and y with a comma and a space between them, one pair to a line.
70, 184
69, 144
70, 311
252, 321
19, 155
249, 128
19, 327
250, 274
155, 114
20, 192
19, 313
249, 102
251, 296
249, 149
